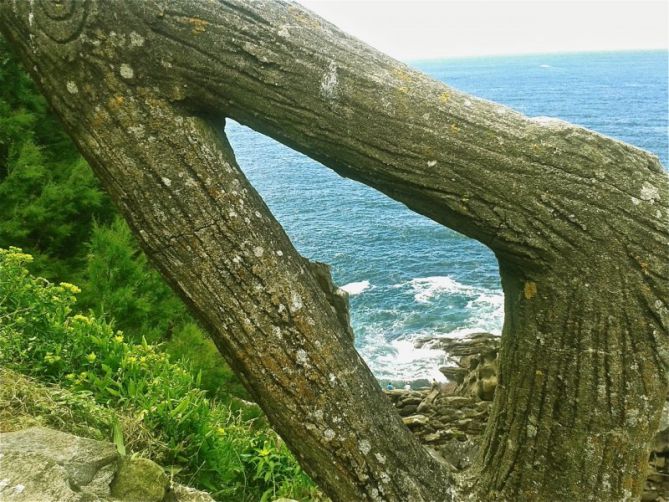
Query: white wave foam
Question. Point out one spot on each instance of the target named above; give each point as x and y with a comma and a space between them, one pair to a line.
487, 311
400, 359
426, 288
355, 288
545, 66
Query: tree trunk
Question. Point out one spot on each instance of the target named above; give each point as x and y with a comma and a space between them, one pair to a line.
579, 223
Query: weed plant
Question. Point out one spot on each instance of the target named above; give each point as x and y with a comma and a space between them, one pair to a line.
207, 443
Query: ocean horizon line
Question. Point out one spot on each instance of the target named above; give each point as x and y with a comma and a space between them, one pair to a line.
533, 54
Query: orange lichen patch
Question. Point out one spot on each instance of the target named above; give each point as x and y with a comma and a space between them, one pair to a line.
98, 119
116, 101
530, 290
199, 25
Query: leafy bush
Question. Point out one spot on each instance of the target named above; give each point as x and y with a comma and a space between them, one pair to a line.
196, 351
49, 197
120, 283
210, 445
52, 206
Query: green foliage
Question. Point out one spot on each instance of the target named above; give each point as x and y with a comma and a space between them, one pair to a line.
120, 283
212, 446
25, 402
48, 194
196, 350
52, 206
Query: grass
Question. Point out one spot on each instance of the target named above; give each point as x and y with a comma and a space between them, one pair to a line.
26, 402
91, 376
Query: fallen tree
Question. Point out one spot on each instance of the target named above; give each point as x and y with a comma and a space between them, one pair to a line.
579, 223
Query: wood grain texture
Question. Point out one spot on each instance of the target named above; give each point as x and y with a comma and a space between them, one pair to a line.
578, 221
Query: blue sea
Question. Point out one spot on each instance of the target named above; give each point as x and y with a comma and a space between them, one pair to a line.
407, 276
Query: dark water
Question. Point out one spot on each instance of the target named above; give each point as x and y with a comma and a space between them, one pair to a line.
409, 277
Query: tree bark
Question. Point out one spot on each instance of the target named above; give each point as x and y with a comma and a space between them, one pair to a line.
579, 223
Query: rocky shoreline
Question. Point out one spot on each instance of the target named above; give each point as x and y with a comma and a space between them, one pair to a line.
451, 418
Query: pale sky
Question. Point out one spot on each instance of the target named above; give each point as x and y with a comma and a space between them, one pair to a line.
419, 29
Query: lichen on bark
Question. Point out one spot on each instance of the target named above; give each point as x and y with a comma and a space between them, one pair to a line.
578, 221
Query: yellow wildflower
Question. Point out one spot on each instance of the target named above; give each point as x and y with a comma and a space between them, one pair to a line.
50, 358
82, 318
70, 287
16, 255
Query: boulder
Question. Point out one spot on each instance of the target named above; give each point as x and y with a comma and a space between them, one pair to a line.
40, 464
139, 479
415, 420
43, 465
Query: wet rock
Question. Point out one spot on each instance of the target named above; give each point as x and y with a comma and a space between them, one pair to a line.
414, 398
405, 411
337, 297
434, 436
455, 415
454, 373
657, 483
460, 454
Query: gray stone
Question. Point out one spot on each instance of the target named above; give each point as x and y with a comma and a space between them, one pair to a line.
42, 464
188, 494
415, 420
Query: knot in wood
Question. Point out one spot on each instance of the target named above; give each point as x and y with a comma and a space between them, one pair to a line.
60, 20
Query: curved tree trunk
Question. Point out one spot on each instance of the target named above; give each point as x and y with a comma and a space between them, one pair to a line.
579, 223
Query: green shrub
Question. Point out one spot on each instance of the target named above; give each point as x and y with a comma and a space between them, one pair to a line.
119, 283
209, 443
52, 205
195, 350
48, 194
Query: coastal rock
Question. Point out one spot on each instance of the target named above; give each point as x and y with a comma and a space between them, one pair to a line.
337, 297
459, 453
415, 421
451, 418
42, 465
475, 358
657, 483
